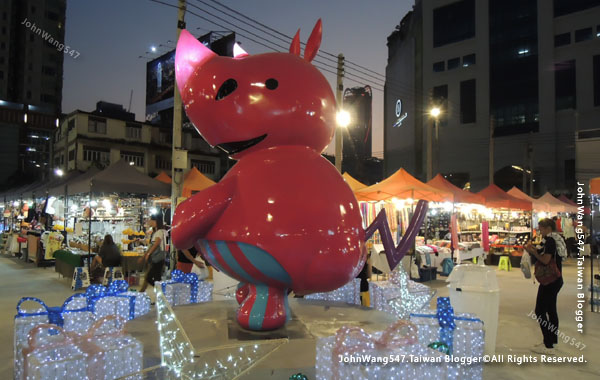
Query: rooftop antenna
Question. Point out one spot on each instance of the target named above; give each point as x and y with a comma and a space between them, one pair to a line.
130, 98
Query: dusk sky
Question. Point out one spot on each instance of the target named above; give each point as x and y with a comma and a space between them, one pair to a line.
112, 34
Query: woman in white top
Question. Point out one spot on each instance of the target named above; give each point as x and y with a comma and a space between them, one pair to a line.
156, 255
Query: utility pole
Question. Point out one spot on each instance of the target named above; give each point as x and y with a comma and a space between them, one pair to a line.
430, 128
339, 141
530, 156
491, 157
176, 174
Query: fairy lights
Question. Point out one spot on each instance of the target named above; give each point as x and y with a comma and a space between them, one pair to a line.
399, 296
349, 293
185, 288
223, 362
104, 352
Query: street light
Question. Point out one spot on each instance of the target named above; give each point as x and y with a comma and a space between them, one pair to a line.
58, 172
435, 112
342, 119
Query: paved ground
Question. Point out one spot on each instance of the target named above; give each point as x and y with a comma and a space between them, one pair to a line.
516, 334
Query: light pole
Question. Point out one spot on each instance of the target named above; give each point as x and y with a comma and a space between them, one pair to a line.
434, 113
342, 119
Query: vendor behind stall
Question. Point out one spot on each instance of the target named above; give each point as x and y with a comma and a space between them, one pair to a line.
109, 256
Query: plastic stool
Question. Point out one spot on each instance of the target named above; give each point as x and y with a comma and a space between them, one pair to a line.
112, 274
504, 264
81, 278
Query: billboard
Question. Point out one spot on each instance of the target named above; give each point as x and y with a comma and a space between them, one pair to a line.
160, 73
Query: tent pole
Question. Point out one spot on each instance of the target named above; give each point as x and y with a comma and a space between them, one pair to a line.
592, 241
90, 232
452, 245
65, 216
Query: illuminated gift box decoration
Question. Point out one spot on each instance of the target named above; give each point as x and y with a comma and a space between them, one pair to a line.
185, 288
459, 335
399, 295
104, 352
349, 293
117, 300
338, 356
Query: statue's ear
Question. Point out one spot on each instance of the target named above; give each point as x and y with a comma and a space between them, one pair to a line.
189, 55
314, 42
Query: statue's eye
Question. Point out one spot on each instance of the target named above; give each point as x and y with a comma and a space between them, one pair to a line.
271, 83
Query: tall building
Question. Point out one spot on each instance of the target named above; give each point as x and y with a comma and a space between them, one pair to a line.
358, 137
525, 72
32, 51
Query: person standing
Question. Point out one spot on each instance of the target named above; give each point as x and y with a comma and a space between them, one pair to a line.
187, 258
545, 306
157, 253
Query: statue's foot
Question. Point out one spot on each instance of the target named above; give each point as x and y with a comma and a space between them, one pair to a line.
264, 308
242, 292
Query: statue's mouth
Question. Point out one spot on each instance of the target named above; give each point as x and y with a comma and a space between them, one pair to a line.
232, 148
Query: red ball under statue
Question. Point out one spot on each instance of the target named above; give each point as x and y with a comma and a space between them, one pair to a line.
283, 217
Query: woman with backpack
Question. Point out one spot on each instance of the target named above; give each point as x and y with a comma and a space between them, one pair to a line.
548, 272
157, 253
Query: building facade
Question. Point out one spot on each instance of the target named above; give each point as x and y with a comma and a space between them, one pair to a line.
31, 73
520, 77
90, 138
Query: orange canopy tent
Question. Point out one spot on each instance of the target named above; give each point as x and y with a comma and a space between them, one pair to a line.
495, 197
353, 183
195, 181
595, 185
556, 205
459, 195
538, 205
163, 177
402, 185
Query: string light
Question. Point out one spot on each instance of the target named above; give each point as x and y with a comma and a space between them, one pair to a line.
224, 362
462, 335
349, 293
186, 288
98, 354
403, 361
399, 296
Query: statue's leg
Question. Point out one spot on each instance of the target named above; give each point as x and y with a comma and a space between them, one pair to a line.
265, 308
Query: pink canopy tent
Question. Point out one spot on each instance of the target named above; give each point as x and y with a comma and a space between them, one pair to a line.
460, 195
495, 197
557, 205
538, 205
402, 185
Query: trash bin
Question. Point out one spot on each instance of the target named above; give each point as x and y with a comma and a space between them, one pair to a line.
474, 289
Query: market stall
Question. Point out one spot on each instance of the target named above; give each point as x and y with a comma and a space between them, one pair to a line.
594, 288
195, 181
462, 219
112, 201
509, 221
353, 183
163, 177
397, 194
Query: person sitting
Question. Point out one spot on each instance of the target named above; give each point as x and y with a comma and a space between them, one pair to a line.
109, 256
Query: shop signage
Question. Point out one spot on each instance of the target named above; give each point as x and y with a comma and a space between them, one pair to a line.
400, 117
